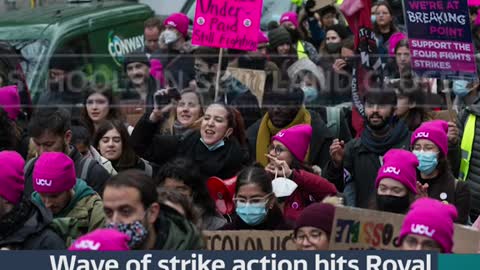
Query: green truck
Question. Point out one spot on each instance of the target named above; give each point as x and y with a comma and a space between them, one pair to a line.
98, 33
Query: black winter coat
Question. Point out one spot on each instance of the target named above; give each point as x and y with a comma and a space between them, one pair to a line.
224, 162
362, 166
34, 233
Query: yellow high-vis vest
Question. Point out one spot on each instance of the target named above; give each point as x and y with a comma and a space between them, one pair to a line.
466, 146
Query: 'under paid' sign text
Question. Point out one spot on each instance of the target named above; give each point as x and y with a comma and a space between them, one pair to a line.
232, 24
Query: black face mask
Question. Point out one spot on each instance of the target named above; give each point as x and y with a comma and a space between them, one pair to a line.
393, 204
333, 47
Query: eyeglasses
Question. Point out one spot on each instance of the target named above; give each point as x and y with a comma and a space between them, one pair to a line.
278, 149
253, 200
413, 243
313, 237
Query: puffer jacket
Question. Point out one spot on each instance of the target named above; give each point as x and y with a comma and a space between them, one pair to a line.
33, 232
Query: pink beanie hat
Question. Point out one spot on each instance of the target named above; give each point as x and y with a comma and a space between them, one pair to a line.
393, 41
262, 38
53, 172
179, 21
400, 165
435, 131
289, 17
12, 178
10, 101
433, 219
296, 139
102, 240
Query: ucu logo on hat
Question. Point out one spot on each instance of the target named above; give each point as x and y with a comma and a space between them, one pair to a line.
172, 23
422, 135
88, 244
281, 134
43, 182
422, 230
392, 170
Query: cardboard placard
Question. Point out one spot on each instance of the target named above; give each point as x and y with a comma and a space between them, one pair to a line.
252, 79
249, 240
232, 24
362, 229
440, 39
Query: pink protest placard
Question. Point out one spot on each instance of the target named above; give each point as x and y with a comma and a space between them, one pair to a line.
232, 24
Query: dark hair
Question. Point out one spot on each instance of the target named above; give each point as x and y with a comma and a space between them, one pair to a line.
417, 115
254, 175
384, 95
191, 214
185, 170
341, 30
402, 43
393, 27
81, 135
348, 43
114, 111
210, 56
153, 22
326, 10
235, 121
7, 135
128, 159
138, 180
54, 120
284, 95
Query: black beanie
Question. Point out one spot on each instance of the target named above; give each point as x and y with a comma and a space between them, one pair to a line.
318, 215
136, 57
279, 36
63, 60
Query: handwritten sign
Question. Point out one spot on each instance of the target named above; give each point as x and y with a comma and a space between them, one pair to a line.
252, 79
440, 38
249, 240
361, 229
230, 24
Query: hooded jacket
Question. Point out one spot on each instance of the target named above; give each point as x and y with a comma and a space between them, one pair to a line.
175, 232
34, 231
86, 208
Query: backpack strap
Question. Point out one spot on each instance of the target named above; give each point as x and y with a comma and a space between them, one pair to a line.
29, 166
148, 168
87, 162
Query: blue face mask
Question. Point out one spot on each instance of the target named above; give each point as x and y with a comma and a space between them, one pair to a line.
252, 213
373, 18
460, 88
427, 161
214, 147
310, 93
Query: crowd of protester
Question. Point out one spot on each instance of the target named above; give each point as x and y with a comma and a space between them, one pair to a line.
76, 174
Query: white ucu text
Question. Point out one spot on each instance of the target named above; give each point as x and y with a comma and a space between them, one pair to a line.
422, 135
422, 230
43, 182
391, 170
88, 244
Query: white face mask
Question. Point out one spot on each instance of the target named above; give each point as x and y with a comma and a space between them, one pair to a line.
282, 186
168, 36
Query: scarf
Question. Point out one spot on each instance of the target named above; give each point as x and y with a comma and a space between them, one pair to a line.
267, 130
380, 145
15, 219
